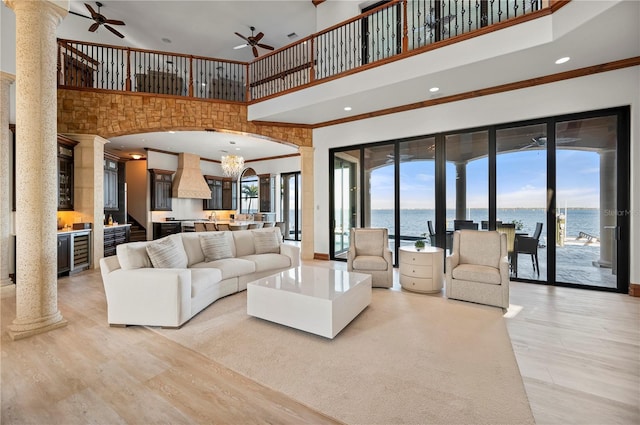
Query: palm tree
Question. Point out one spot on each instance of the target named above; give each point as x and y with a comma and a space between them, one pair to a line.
250, 192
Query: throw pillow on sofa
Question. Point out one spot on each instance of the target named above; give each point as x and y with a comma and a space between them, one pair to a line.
266, 242
167, 253
133, 255
215, 246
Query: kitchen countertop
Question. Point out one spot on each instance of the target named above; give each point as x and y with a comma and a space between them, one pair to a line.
63, 231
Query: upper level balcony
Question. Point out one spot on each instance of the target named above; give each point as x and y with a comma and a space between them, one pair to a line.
396, 31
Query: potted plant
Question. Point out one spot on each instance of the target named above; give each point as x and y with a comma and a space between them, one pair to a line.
419, 244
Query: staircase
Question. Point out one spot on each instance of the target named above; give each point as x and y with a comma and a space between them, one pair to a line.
138, 233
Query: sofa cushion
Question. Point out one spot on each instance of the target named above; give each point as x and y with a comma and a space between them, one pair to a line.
191, 243
480, 247
369, 262
230, 267
265, 242
167, 253
133, 255
243, 240
477, 273
202, 279
266, 262
369, 242
215, 246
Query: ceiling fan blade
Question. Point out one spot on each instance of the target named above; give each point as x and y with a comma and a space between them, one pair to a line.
241, 46
265, 46
80, 14
114, 22
255, 51
258, 37
94, 14
114, 31
94, 27
242, 37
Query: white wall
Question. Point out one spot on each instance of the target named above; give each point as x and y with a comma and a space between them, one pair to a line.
605, 90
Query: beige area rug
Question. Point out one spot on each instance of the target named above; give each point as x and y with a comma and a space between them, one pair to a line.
406, 359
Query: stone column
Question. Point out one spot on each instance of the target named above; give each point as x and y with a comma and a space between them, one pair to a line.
461, 190
307, 250
36, 167
88, 187
5, 178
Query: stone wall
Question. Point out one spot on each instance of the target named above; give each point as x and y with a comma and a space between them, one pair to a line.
110, 114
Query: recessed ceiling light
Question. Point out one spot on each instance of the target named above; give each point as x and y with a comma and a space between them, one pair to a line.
136, 156
171, 132
237, 149
204, 84
434, 89
347, 108
563, 60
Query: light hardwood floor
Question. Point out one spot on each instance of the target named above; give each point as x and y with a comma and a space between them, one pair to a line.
578, 352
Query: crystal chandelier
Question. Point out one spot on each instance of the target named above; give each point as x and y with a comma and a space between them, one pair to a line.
232, 165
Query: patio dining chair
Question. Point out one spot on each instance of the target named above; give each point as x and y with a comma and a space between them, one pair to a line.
509, 229
529, 245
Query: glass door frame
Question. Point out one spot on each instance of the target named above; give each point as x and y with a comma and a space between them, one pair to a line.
286, 202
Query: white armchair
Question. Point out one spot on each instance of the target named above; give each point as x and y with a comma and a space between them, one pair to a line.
369, 253
478, 268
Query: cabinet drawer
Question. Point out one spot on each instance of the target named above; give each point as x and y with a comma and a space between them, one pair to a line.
418, 284
421, 259
414, 270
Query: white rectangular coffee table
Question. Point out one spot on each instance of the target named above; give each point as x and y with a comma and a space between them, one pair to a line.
318, 300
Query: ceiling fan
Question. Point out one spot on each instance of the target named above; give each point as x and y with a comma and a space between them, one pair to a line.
431, 22
541, 142
100, 19
253, 41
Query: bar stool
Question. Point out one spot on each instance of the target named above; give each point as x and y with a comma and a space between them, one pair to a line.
211, 227
235, 227
199, 227
222, 227
269, 224
256, 225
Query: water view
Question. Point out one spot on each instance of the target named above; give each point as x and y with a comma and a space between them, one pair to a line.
414, 222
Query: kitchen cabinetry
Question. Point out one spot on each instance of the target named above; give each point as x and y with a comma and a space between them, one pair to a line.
64, 253
215, 185
421, 271
160, 230
65, 173
161, 189
114, 236
265, 192
229, 197
110, 183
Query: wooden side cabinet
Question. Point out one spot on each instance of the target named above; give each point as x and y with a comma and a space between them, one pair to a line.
421, 271
229, 196
161, 189
65, 173
64, 253
215, 185
114, 236
110, 183
265, 193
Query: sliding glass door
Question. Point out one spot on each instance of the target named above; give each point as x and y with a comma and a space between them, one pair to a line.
586, 201
521, 197
557, 187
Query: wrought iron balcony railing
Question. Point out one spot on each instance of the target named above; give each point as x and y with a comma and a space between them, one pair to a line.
392, 31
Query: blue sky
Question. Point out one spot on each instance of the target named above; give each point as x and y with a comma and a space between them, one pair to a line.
521, 182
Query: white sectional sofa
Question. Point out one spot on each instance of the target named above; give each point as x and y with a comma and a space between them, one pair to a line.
168, 281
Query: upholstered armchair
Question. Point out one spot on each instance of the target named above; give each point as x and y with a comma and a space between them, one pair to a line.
369, 253
478, 268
